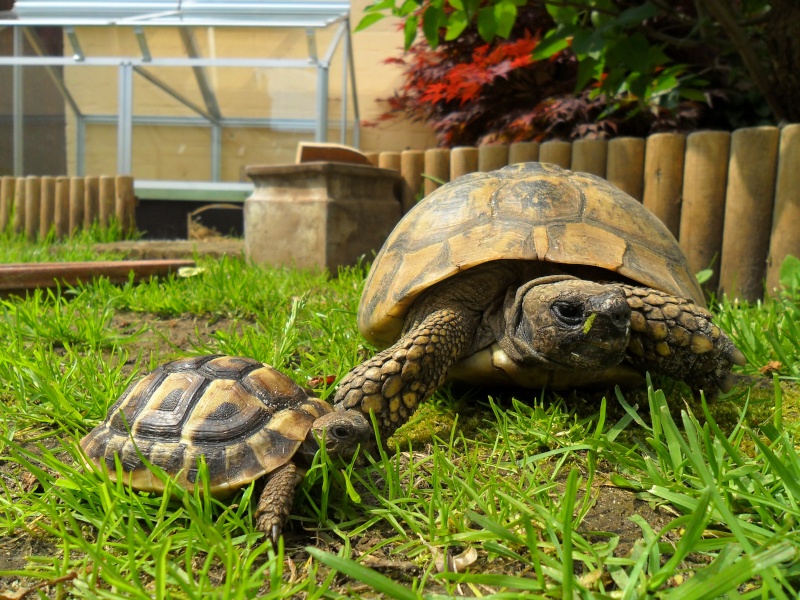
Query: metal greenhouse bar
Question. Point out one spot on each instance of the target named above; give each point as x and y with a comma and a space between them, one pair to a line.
141, 18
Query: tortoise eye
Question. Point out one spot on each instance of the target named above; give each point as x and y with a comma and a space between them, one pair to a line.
341, 432
568, 313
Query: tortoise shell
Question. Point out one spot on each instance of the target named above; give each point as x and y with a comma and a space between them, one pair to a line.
243, 416
530, 212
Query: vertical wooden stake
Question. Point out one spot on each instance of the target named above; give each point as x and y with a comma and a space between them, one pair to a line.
61, 217
491, 158
437, 166
748, 212
107, 193
590, 156
705, 176
556, 152
463, 160
389, 160
785, 238
7, 185
19, 205
33, 187
373, 158
412, 162
91, 201
625, 166
126, 203
663, 177
522, 152
48, 204
76, 193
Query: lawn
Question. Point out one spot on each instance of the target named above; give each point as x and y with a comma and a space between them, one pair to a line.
615, 494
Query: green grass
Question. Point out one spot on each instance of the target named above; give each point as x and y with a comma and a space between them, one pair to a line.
487, 495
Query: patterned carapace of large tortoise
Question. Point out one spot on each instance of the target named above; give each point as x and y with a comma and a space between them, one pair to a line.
530, 275
245, 419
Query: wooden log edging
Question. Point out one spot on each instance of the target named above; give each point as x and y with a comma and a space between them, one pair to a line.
34, 205
731, 200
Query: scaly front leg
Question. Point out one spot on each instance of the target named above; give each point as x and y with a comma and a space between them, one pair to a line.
675, 337
393, 383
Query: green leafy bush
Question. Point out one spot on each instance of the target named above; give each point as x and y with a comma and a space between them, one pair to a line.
510, 70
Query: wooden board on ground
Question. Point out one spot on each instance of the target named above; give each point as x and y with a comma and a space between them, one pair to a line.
18, 277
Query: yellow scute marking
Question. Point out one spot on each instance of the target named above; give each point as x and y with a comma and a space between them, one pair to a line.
584, 244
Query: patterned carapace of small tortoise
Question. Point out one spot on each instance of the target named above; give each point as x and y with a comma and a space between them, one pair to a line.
530, 275
245, 419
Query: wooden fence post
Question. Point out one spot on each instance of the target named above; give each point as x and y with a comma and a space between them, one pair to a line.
61, 217
491, 158
107, 200
126, 202
556, 152
48, 206
663, 177
522, 152
389, 160
625, 166
7, 184
785, 238
705, 176
91, 201
463, 160
437, 165
75, 204
748, 212
373, 158
412, 162
33, 188
590, 156
19, 205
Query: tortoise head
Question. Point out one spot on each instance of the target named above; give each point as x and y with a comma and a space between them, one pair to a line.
343, 431
561, 322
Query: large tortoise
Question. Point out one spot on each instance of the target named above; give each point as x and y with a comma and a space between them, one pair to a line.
245, 418
531, 275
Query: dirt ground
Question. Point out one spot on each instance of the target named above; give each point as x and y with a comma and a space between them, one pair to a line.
170, 337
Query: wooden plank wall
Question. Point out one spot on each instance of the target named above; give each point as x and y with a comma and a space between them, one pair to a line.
731, 199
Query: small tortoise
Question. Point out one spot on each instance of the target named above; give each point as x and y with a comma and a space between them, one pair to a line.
247, 420
531, 275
